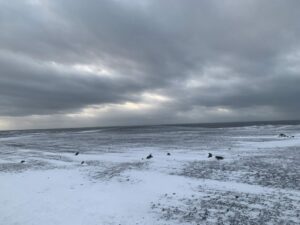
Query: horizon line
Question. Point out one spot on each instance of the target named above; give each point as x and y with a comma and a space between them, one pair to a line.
207, 125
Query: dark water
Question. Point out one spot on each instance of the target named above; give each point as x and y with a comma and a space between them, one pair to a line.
166, 137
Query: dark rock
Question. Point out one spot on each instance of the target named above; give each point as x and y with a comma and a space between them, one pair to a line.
22, 161
219, 157
76, 153
209, 155
282, 135
168, 153
149, 156
82, 162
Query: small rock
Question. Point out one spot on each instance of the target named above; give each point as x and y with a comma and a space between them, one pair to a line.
219, 157
149, 156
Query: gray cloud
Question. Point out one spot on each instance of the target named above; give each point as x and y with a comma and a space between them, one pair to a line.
215, 60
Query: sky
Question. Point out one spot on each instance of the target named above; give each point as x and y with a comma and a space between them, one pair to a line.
66, 63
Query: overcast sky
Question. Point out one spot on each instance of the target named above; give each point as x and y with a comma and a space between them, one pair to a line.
68, 63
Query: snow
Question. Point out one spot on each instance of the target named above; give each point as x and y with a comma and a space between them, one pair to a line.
64, 196
53, 188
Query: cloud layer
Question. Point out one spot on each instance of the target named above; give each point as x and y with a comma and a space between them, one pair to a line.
122, 62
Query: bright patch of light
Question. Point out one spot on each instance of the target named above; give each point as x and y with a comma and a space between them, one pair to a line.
92, 69
153, 97
149, 101
88, 112
4, 124
87, 69
98, 110
135, 106
223, 110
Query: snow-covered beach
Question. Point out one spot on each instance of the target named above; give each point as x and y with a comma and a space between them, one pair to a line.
110, 181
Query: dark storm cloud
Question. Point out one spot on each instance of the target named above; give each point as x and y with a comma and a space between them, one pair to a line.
33, 88
205, 55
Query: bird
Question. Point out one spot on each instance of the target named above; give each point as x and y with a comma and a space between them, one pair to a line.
219, 157
209, 155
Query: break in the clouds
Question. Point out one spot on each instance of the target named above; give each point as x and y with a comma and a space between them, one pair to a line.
66, 63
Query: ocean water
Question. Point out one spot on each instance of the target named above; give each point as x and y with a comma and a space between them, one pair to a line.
195, 137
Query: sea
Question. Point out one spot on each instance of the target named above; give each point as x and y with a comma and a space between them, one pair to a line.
163, 137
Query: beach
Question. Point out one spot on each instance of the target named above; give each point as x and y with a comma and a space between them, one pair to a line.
102, 176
